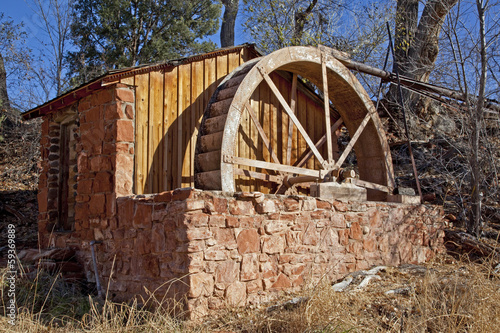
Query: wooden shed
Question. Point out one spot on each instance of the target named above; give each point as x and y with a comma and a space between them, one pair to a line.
231, 120
121, 155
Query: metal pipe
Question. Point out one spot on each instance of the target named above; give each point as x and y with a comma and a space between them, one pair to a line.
94, 261
404, 81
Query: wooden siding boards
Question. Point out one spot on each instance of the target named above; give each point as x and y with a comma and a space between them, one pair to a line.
169, 108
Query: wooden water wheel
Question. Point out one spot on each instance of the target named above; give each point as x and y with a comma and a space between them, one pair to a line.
266, 129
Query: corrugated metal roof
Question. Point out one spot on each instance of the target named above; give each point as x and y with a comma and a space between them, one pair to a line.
87, 88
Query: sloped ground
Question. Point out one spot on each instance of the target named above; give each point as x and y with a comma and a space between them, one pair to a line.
19, 151
448, 294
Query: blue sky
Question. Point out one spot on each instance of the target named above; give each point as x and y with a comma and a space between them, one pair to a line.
19, 11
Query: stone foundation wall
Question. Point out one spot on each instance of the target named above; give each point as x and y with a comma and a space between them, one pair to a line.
235, 251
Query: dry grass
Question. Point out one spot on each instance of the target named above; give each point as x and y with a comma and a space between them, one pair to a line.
446, 295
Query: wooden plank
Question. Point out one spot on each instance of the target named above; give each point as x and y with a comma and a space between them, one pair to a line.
261, 132
209, 84
293, 107
370, 185
155, 146
294, 118
351, 143
141, 132
257, 175
185, 124
233, 61
169, 127
320, 143
197, 88
272, 166
221, 67
127, 80
302, 113
327, 110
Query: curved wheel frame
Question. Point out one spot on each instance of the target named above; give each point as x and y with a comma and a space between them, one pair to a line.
351, 101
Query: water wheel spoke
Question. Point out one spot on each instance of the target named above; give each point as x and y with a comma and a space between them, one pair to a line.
327, 110
308, 153
370, 185
293, 103
273, 166
258, 175
292, 116
354, 138
262, 134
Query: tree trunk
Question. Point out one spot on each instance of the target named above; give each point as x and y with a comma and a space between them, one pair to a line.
416, 46
474, 223
228, 22
4, 97
300, 21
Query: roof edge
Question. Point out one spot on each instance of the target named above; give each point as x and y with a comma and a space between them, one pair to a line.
100, 82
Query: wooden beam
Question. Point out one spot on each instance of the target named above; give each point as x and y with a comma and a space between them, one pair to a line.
293, 106
262, 134
272, 166
320, 143
258, 175
370, 185
327, 109
301, 129
354, 138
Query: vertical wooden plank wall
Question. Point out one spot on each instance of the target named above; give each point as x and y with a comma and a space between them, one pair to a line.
169, 109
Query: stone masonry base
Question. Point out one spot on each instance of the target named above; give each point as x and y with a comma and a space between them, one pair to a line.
214, 251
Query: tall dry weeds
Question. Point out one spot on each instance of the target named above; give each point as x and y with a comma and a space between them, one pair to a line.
446, 295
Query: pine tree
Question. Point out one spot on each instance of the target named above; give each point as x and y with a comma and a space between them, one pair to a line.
111, 34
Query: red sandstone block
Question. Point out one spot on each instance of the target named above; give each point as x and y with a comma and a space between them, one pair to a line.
355, 231
158, 238
249, 267
102, 97
340, 206
197, 220
42, 199
225, 237
226, 271
273, 244
45, 126
97, 204
182, 194
93, 115
250, 221
124, 130
110, 205
125, 95
129, 111
220, 205
198, 233
291, 205
100, 163
232, 222
113, 111
322, 204
84, 186
217, 221
254, 286
370, 244
311, 235
163, 197
82, 163
248, 241
84, 104
239, 207
343, 236
143, 216
282, 282
103, 182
